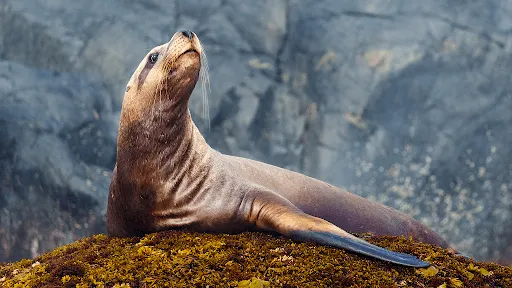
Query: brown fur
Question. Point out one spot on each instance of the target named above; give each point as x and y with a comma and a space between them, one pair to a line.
168, 177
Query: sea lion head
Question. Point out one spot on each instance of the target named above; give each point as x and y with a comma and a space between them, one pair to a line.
166, 76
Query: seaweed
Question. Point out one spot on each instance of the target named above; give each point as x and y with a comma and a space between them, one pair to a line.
250, 259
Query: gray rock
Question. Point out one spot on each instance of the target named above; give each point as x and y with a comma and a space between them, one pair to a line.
406, 103
49, 195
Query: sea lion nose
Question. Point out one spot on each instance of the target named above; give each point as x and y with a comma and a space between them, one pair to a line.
188, 34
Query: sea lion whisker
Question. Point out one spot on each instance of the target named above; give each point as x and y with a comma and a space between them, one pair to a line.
205, 84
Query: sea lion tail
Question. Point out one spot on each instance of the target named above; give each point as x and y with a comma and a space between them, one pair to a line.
281, 216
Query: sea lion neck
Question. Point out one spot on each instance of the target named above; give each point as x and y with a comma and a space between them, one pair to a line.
155, 159
162, 146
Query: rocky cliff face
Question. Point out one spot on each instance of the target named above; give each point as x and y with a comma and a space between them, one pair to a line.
408, 104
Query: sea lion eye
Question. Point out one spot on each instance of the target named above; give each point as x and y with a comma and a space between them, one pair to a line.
153, 57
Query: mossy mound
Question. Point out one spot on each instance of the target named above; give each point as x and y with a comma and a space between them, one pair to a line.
183, 259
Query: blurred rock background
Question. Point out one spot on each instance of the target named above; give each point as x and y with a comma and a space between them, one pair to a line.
407, 103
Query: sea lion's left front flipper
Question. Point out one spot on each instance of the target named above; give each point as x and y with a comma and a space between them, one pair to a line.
282, 216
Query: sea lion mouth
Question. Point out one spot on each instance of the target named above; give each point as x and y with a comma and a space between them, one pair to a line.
189, 51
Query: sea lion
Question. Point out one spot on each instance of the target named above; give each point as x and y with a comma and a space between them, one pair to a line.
167, 176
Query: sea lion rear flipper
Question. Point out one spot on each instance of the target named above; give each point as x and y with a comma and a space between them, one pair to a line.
294, 223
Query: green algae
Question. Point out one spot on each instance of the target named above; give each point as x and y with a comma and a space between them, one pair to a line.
189, 259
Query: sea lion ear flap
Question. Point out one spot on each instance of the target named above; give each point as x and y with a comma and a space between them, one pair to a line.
281, 216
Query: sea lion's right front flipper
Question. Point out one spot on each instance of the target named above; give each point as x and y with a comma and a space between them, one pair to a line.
281, 216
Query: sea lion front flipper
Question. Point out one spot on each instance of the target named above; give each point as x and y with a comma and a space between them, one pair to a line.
281, 216
359, 246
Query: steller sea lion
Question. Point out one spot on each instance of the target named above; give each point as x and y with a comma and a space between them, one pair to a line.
168, 177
